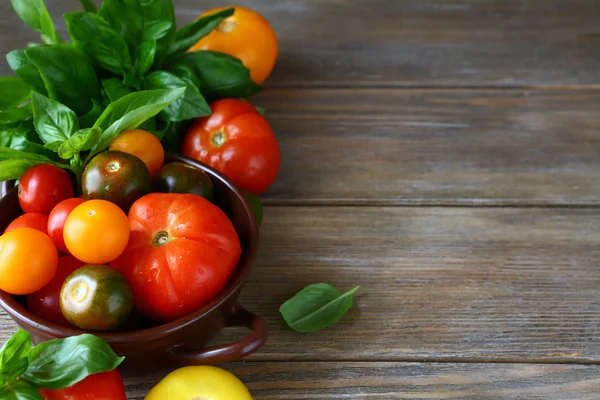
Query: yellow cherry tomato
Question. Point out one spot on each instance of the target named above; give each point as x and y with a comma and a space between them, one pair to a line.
201, 382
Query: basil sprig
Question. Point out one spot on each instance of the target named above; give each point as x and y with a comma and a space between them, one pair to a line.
55, 364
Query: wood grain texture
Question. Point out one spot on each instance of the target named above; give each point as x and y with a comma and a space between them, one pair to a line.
384, 381
407, 43
437, 284
435, 146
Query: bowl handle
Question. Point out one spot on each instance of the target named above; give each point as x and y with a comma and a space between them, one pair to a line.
229, 352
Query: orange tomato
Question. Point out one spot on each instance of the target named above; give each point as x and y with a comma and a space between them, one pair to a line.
96, 232
28, 261
144, 146
246, 35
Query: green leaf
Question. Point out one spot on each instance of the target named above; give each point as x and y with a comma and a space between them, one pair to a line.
19, 390
115, 89
316, 307
220, 75
261, 110
144, 57
61, 363
89, 6
68, 75
90, 118
26, 69
190, 105
35, 14
130, 112
82, 140
21, 142
190, 34
125, 16
96, 38
172, 137
159, 25
256, 204
13, 355
54, 122
13, 169
14, 92
8, 154
15, 115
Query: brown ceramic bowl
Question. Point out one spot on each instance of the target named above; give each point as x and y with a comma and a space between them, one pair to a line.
181, 342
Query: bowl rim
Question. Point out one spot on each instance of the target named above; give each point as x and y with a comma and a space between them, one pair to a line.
234, 285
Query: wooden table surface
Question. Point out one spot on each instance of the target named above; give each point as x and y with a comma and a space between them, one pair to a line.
444, 155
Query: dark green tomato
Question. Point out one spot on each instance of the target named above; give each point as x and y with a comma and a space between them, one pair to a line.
118, 177
178, 177
96, 298
256, 205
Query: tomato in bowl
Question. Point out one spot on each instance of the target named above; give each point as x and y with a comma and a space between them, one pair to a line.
151, 346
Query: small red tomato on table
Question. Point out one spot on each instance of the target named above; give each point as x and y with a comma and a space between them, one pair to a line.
237, 141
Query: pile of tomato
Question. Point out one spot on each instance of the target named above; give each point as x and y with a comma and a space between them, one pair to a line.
142, 238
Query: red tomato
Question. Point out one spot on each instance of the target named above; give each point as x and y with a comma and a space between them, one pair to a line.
29, 220
42, 187
182, 251
237, 141
56, 221
46, 301
102, 386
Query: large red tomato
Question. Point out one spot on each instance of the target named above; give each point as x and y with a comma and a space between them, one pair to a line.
42, 187
182, 251
237, 141
102, 386
46, 301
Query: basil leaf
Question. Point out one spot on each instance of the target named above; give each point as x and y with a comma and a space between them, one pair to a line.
90, 118
144, 57
21, 142
96, 38
184, 71
220, 75
89, 6
54, 122
82, 140
159, 25
261, 110
8, 154
172, 136
256, 204
19, 390
14, 92
190, 34
26, 70
68, 74
130, 112
13, 169
13, 355
15, 115
35, 14
316, 307
115, 89
190, 105
61, 363
125, 16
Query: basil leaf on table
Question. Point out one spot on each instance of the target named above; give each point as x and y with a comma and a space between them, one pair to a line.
89, 6
115, 89
68, 74
91, 116
131, 111
19, 390
220, 75
315, 307
26, 70
35, 14
14, 92
191, 105
96, 38
54, 122
15, 115
190, 34
82, 140
13, 355
261, 110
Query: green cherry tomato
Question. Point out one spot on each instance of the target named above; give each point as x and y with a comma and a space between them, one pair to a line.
96, 298
118, 177
182, 178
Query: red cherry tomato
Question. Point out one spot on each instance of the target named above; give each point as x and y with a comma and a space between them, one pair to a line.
42, 187
29, 220
237, 141
102, 386
182, 251
46, 301
56, 221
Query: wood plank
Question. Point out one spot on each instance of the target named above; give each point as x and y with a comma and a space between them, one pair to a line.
435, 146
407, 43
437, 284
338, 380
